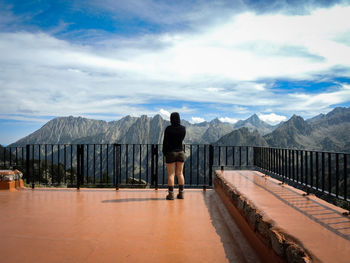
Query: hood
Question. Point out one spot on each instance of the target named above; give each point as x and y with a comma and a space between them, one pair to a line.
175, 119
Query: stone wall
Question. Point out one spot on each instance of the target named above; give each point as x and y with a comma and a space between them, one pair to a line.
272, 244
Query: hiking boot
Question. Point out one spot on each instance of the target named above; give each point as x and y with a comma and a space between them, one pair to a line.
181, 195
170, 196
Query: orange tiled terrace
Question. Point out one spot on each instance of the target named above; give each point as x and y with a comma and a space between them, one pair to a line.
246, 217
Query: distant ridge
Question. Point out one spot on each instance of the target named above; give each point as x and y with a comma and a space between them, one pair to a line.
242, 137
327, 132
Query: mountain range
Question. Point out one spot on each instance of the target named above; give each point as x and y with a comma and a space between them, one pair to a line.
326, 132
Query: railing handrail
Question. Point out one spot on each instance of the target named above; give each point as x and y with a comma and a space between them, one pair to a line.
325, 168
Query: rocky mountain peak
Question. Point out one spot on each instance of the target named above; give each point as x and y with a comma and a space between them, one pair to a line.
254, 123
297, 123
241, 137
254, 119
338, 110
215, 121
328, 132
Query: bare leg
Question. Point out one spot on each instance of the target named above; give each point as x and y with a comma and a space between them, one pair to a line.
171, 173
179, 172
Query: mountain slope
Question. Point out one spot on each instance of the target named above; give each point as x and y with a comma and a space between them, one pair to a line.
328, 132
64, 130
254, 123
294, 133
215, 131
242, 137
128, 130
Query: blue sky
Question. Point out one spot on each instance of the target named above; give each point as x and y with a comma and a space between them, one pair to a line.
206, 59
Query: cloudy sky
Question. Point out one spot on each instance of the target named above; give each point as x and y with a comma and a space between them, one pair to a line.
104, 59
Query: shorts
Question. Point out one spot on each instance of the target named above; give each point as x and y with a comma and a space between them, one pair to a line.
172, 157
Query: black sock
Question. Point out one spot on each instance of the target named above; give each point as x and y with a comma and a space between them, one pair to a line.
171, 188
181, 187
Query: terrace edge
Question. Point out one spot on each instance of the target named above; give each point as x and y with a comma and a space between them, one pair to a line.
271, 243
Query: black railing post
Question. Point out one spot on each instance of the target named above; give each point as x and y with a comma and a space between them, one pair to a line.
71, 164
323, 171
297, 165
127, 163
87, 164
4, 152
133, 163
152, 165
147, 164
191, 164
345, 177
306, 168
65, 164
240, 157
140, 163
120, 164
247, 156
157, 159
233, 156
329, 173
39, 161
94, 163
79, 164
107, 161
101, 165
254, 156
204, 166
52, 177
33, 174
311, 170
114, 181
28, 175
58, 164
211, 161
82, 165
116, 156
317, 171
10, 156
301, 167
337, 174
16, 157
198, 165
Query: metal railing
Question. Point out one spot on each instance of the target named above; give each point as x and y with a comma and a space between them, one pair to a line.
143, 165
119, 165
324, 173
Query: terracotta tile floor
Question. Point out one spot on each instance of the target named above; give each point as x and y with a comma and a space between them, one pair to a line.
99, 225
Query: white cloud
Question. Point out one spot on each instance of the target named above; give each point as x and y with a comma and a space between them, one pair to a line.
259, 86
223, 64
197, 120
311, 104
272, 118
25, 118
165, 114
228, 119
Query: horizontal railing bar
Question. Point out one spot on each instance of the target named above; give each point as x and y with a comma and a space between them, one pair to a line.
120, 163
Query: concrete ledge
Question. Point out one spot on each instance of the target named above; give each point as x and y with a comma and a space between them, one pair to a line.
272, 243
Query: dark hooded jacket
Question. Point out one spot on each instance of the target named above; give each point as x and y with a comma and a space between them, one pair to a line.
174, 135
